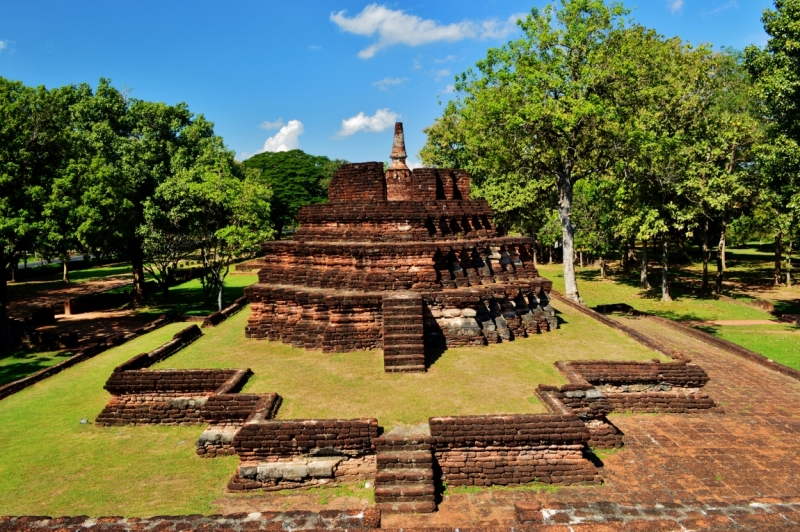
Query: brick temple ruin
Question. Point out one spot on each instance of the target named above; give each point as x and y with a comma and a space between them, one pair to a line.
400, 260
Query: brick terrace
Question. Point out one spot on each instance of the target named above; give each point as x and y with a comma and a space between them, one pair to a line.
745, 450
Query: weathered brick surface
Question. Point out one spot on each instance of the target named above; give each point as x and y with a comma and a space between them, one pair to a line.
509, 430
399, 230
260, 440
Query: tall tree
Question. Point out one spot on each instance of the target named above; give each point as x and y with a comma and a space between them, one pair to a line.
296, 179
226, 209
534, 113
30, 130
134, 146
776, 73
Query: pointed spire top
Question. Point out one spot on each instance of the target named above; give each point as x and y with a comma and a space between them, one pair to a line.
398, 155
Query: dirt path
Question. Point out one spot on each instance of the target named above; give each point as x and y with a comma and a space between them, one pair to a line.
26, 297
732, 322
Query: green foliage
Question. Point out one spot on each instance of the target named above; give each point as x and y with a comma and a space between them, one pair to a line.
534, 117
296, 179
776, 71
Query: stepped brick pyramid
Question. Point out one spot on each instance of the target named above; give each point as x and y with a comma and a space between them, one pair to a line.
399, 260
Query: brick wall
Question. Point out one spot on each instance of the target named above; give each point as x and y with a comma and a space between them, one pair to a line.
262, 440
332, 321
202, 381
421, 266
395, 221
621, 373
359, 182
513, 449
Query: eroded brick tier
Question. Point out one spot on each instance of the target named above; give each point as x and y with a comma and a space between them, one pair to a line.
411, 232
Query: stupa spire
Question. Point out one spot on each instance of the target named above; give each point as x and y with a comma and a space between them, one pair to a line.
399, 155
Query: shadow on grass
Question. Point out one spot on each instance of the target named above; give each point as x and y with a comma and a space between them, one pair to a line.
433, 354
787, 307
187, 298
22, 363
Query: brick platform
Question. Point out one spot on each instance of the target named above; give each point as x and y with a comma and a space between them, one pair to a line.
331, 287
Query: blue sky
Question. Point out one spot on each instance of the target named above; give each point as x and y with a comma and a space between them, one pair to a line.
327, 76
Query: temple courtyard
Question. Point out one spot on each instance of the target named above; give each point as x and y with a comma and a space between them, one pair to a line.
744, 452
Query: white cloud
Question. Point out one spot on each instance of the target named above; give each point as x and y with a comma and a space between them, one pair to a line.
675, 5
286, 139
449, 89
417, 64
382, 119
396, 27
414, 164
445, 60
3, 45
500, 29
731, 4
387, 82
314, 47
439, 74
277, 124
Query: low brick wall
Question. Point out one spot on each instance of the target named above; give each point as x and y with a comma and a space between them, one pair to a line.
218, 317
225, 413
261, 440
516, 449
621, 373
187, 381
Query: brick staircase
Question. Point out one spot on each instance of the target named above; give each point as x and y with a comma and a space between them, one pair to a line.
403, 347
404, 480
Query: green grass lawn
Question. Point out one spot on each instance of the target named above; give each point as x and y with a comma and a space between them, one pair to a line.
22, 362
780, 343
51, 464
498, 379
596, 291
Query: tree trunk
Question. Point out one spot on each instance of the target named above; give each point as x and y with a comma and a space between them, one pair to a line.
602, 267
684, 256
550, 253
778, 259
720, 273
789, 265
723, 244
581, 253
137, 265
665, 271
624, 259
706, 256
568, 236
535, 250
65, 269
643, 282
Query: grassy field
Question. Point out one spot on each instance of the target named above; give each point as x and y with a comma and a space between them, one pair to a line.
498, 379
596, 291
777, 342
51, 464
22, 362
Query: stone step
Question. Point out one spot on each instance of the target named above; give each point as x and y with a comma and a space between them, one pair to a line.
404, 492
421, 507
404, 476
402, 360
406, 459
402, 337
403, 351
419, 368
